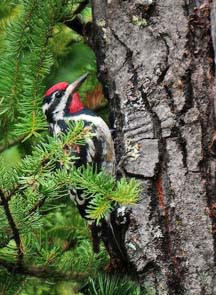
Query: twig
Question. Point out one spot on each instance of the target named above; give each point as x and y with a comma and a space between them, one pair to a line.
37, 205
11, 194
11, 143
16, 234
41, 272
75, 23
68, 246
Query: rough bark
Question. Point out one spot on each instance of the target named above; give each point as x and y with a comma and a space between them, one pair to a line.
155, 60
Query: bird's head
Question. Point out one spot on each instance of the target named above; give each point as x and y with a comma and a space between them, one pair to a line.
62, 98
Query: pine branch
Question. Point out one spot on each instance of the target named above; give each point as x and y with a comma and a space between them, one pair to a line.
20, 45
68, 246
16, 234
12, 193
11, 143
104, 191
42, 272
37, 205
11, 65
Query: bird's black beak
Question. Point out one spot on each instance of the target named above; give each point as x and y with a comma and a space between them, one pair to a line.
76, 85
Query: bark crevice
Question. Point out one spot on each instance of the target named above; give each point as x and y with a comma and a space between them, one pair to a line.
160, 88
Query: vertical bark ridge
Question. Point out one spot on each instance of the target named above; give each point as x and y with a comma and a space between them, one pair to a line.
200, 24
155, 61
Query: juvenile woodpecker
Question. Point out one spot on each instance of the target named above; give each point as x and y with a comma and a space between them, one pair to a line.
61, 104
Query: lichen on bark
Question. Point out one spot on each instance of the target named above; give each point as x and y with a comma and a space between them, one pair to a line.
159, 80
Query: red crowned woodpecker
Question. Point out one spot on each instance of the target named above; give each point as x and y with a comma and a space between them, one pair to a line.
61, 104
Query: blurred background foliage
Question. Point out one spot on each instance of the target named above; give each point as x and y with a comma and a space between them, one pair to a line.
71, 58
38, 49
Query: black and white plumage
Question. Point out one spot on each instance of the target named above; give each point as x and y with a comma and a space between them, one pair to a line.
62, 104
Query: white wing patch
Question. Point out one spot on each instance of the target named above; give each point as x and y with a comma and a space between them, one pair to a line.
56, 129
91, 150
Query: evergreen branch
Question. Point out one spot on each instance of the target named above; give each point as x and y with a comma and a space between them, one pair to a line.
42, 272
11, 65
36, 66
11, 143
12, 193
38, 78
103, 191
16, 234
68, 246
41, 162
37, 205
20, 45
33, 174
126, 192
98, 208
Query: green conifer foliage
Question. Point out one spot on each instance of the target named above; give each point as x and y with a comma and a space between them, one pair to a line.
25, 60
41, 233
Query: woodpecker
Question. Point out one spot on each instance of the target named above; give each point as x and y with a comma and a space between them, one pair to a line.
61, 104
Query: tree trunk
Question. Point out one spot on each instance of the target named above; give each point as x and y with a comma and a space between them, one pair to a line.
156, 62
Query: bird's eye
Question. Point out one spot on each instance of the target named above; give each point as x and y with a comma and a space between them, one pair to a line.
58, 94
47, 99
